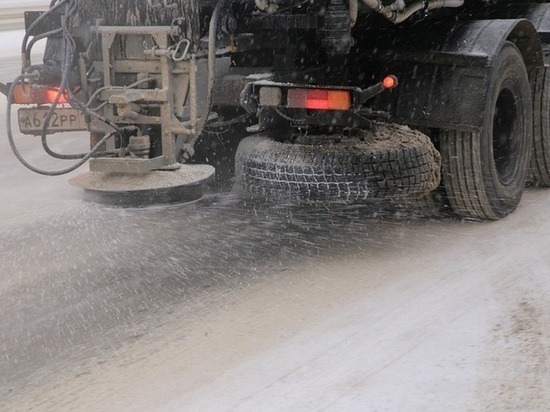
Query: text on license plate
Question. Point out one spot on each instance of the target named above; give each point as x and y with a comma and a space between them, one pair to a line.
31, 120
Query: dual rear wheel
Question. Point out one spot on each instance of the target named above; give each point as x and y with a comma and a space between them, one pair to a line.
484, 172
540, 161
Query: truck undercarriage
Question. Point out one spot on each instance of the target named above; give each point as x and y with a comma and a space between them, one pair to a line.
327, 100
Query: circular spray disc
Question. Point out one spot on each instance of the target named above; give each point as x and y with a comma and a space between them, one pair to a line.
156, 187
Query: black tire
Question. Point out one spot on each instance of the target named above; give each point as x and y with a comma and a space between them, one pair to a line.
484, 172
217, 147
540, 159
405, 163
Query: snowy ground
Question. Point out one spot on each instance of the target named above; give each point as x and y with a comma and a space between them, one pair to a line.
7, 4
10, 44
221, 306
12, 11
10, 40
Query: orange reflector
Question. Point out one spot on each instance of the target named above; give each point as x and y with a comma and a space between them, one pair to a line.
35, 94
319, 99
389, 82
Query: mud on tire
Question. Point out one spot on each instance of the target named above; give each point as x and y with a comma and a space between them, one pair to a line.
390, 161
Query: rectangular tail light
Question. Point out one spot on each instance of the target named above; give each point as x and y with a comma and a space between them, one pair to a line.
36, 94
319, 99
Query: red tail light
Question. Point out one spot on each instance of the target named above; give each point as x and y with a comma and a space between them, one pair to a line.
319, 99
35, 94
51, 95
389, 82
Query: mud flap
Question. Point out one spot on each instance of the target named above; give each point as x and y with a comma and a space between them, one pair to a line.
432, 90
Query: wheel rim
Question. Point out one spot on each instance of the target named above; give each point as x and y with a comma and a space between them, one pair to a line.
505, 141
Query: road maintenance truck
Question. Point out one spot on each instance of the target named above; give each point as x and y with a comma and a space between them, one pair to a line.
314, 100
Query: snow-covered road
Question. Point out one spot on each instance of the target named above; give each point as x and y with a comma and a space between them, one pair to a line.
10, 46
225, 307
12, 11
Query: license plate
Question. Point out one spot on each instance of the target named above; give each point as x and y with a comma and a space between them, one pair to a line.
31, 120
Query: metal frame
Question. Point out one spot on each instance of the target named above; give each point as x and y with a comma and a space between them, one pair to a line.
178, 79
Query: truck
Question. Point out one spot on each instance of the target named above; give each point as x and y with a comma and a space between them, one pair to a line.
313, 100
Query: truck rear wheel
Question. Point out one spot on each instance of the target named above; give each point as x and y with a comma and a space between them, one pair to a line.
400, 164
540, 161
484, 172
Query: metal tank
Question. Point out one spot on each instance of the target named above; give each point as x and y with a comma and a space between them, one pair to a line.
144, 13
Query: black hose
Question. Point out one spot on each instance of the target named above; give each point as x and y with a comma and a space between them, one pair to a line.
67, 60
42, 36
236, 120
28, 165
66, 64
212, 44
26, 58
68, 56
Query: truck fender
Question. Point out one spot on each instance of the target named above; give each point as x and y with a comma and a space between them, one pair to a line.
539, 15
445, 86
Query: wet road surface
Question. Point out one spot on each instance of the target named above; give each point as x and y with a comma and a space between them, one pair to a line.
228, 304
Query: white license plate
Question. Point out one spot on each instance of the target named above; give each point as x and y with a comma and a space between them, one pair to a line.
31, 120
